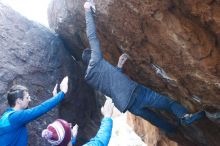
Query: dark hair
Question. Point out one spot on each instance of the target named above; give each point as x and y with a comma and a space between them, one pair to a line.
15, 92
86, 55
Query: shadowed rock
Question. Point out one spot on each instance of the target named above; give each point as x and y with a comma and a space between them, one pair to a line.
33, 56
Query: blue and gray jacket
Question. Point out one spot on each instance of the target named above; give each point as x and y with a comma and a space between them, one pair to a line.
103, 76
103, 135
13, 131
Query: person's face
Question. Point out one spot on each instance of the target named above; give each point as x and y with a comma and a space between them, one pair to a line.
25, 101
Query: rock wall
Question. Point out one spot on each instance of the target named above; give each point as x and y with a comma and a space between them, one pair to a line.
151, 135
33, 56
173, 47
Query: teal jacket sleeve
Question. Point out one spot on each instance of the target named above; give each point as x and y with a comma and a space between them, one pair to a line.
73, 140
103, 135
25, 116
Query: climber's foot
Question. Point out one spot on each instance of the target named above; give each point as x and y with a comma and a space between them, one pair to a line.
188, 119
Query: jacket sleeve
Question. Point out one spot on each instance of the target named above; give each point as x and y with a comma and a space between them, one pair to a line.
119, 69
73, 140
25, 116
96, 53
103, 135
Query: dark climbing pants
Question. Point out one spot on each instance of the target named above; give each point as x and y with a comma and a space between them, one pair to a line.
146, 100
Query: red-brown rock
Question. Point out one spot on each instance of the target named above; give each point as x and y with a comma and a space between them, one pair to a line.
178, 38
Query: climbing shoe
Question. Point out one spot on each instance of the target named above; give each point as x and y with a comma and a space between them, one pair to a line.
188, 119
215, 117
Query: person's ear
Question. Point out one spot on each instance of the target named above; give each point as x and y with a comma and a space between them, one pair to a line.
18, 101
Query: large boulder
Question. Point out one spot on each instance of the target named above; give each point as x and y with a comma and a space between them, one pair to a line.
33, 56
173, 47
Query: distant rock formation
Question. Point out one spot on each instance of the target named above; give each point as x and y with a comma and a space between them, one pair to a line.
174, 48
33, 56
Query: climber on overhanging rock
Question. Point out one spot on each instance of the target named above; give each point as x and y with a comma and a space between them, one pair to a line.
126, 93
13, 131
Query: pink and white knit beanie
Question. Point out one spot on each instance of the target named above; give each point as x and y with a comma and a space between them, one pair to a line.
58, 133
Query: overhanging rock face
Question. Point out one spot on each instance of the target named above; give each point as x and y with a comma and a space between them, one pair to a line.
33, 56
174, 48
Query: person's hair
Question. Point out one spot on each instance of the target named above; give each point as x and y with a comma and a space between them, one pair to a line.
86, 55
15, 92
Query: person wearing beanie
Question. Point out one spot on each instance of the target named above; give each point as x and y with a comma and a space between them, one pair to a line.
126, 93
13, 131
58, 133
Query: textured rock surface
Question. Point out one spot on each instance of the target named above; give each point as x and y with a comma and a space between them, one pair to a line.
33, 56
149, 133
174, 48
